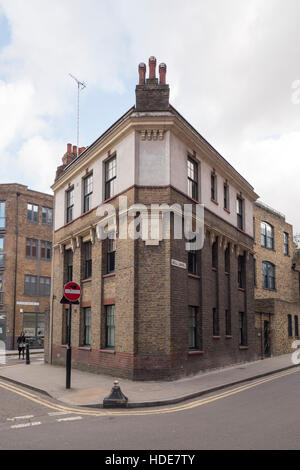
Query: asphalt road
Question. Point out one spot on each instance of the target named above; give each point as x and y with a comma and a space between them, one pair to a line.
263, 414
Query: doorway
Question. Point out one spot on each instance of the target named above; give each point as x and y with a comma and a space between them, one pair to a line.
266, 337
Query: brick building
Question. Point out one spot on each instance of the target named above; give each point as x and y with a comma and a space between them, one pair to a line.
277, 301
25, 263
150, 309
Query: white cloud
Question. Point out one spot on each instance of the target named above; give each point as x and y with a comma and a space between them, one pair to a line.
231, 65
37, 162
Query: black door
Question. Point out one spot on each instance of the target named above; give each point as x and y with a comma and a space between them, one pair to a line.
267, 346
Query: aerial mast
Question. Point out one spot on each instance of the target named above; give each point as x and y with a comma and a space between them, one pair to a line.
80, 87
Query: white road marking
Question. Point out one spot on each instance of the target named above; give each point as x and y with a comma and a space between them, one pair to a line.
58, 413
20, 417
73, 418
26, 425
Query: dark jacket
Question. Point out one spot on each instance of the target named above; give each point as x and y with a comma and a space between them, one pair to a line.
21, 339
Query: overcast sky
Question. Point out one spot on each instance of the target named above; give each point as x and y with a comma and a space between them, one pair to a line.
231, 68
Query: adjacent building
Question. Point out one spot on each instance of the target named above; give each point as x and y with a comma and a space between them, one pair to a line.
25, 263
151, 308
277, 301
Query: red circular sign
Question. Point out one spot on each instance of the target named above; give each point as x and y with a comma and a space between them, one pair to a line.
72, 291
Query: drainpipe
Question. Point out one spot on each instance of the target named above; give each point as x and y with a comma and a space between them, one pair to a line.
16, 267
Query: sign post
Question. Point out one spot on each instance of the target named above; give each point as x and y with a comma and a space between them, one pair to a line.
72, 293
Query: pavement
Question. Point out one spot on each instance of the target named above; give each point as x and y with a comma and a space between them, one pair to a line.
16, 352
90, 389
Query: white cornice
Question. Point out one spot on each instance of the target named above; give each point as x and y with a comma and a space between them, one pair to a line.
163, 121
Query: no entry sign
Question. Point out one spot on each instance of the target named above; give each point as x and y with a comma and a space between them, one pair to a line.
72, 291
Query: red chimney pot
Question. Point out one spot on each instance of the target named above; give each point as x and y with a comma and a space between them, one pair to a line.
142, 73
162, 73
152, 67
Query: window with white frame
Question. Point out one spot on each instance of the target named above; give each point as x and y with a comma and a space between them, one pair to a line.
47, 216
2, 214
69, 205
192, 167
31, 248
268, 273
286, 243
110, 326
110, 171
32, 213
46, 250
45, 285
240, 212
267, 235
87, 192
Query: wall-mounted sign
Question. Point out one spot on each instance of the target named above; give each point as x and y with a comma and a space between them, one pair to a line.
35, 304
178, 264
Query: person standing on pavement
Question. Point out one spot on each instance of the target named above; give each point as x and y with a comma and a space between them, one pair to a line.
21, 344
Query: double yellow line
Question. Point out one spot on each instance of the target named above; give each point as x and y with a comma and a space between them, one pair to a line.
132, 412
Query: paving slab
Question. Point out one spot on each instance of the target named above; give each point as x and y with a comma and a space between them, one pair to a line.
90, 389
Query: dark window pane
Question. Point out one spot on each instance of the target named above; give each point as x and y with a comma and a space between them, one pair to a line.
290, 326
216, 325
192, 338
242, 329
110, 177
69, 204
296, 326
87, 327
227, 323
87, 193
213, 187
110, 326
87, 247
192, 178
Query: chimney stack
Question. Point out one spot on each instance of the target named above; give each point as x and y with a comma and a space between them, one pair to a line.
151, 94
68, 157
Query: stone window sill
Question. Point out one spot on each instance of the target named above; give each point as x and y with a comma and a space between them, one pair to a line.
86, 280
108, 351
214, 201
109, 275
216, 337
193, 276
195, 353
85, 348
243, 348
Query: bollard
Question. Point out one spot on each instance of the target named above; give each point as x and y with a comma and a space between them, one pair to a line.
27, 354
116, 399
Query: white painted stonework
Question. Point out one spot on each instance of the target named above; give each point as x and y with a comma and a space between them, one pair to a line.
155, 157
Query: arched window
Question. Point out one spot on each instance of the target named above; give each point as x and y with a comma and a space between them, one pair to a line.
268, 274
267, 235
